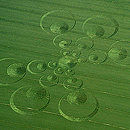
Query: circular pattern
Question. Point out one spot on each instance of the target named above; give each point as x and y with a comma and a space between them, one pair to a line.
97, 56
57, 21
36, 66
65, 51
11, 71
119, 52
75, 53
69, 72
52, 64
78, 106
58, 70
62, 41
84, 43
82, 59
72, 83
67, 62
49, 80
100, 26
29, 100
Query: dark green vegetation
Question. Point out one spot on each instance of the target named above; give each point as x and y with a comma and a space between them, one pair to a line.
23, 39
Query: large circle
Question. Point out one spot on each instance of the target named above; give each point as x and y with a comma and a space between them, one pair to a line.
100, 26
58, 21
78, 106
36, 66
29, 100
11, 71
119, 52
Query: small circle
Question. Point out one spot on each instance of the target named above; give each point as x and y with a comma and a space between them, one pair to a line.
52, 64
63, 44
69, 72
29, 100
97, 56
67, 62
72, 83
62, 41
11, 71
76, 53
58, 21
65, 51
84, 43
100, 26
58, 70
78, 106
36, 66
82, 59
119, 52
93, 57
49, 80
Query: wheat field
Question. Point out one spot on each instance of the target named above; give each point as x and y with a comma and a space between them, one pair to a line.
22, 38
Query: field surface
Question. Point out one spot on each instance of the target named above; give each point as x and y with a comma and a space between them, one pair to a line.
22, 38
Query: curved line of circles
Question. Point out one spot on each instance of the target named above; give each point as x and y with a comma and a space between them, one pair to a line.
105, 93
112, 19
93, 90
84, 88
62, 84
60, 114
48, 13
20, 111
90, 114
78, 119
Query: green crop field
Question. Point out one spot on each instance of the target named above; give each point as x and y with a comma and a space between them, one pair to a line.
38, 71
